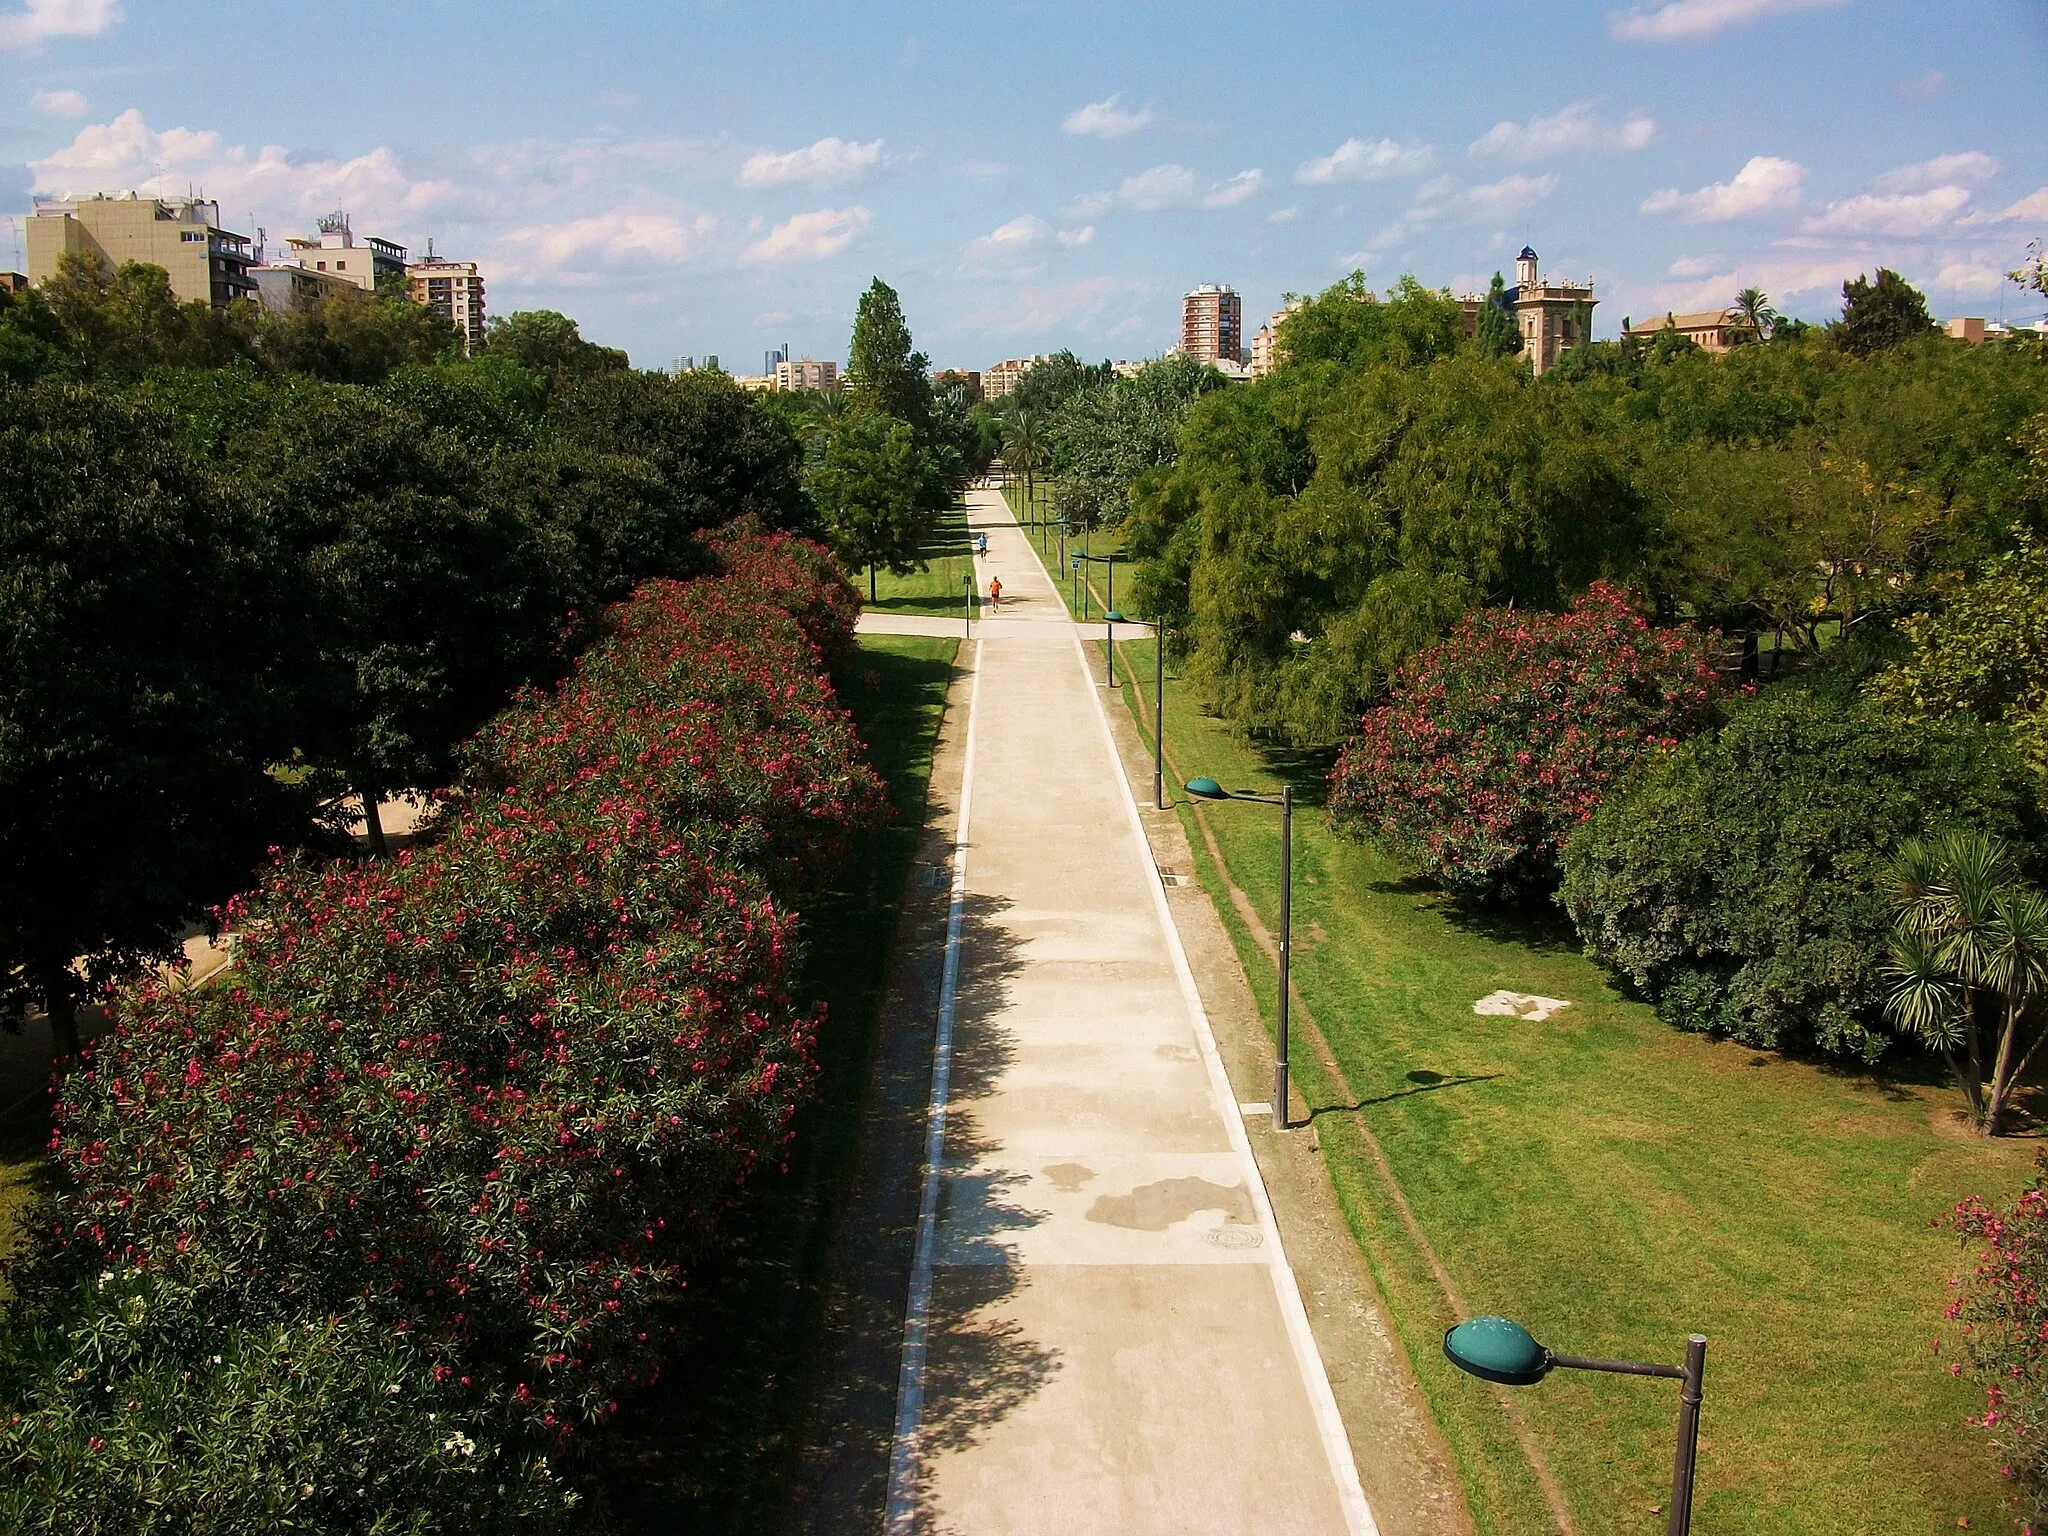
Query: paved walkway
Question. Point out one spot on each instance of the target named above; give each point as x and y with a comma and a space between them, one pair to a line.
1103, 1333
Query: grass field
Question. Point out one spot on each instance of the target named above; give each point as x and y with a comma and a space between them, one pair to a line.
938, 588
703, 1452
1615, 1185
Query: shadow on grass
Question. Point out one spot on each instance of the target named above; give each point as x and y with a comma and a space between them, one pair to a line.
1421, 1082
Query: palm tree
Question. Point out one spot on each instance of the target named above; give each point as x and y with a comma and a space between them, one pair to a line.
1753, 305
1969, 963
1024, 451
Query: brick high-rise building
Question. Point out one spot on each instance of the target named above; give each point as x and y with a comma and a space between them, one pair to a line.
207, 264
1212, 324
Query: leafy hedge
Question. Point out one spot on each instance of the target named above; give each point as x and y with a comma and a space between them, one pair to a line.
463, 1119
1499, 740
1739, 881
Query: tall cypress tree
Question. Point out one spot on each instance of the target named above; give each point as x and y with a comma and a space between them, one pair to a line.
1498, 334
882, 370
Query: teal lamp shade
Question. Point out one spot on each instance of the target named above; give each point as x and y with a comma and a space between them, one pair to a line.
1115, 616
1496, 1349
1206, 789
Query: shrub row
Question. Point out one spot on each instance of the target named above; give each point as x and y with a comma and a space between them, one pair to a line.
463, 1119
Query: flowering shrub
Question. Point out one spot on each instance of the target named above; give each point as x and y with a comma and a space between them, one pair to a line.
492, 1096
2001, 1306
1503, 737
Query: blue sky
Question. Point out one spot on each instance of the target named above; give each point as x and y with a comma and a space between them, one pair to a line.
688, 177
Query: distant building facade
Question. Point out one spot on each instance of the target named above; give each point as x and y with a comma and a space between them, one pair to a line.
1265, 353
453, 290
207, 263
1553, 317
998, 380
804, 373
286, 286
1212, 324
969, 379
1712, 330
334, 251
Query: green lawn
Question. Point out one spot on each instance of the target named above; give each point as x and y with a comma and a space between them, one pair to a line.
939, 587
1616, 1184
705, 1450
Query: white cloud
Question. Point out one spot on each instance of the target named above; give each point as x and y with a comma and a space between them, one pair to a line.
1905, 214
1283, 216
127, 154
622, 235
1446, 200
25, 30
1960, 277
1690, 21
1075, 306
1107, 120
1570, 130
1916, 90
1093, 206
1694, 266
1074, 238
60, 103
1970, 168
831, 162
1780, 279
808, 237
2033, 206
1766, 184
1357, 160
1175, 186
1007, 244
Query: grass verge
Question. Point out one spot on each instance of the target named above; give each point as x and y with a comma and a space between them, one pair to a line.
937, 589
1615, 1184
1094, 594
704, 1450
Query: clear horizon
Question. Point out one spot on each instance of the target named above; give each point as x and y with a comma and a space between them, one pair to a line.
1032, 177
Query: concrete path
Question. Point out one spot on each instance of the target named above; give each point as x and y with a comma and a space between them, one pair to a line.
1103, 1333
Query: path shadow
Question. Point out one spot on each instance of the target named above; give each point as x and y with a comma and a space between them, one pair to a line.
1420, 1081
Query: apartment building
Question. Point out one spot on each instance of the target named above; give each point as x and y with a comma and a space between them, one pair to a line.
1212, 324
286, 286
1000, 378
453, 290
1266, 340
207, 263
805, 373
334, 251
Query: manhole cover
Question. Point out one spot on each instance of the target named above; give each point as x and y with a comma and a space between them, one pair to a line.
1236, 1237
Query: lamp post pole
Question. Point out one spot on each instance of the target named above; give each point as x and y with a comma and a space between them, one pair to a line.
1208, 789
967, 604
1109, 648
1159, 714
1498, 1350
1286, 951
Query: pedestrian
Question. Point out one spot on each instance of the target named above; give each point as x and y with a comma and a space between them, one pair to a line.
995, 591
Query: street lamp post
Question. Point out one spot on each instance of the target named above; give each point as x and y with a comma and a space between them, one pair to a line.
1159, 714
1498, 1350
1208, 789
1110, 620
967, 603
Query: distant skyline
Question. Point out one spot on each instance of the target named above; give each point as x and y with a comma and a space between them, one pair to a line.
691, 177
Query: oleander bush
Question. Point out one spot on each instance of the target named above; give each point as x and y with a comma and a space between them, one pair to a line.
471, 1115
1500, 739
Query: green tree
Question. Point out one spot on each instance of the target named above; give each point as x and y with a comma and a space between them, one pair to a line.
126, 320
1880, 315
1984, 651
883, 371
549, 346
1969, 963
139, 705
1025, 452
351, 338
1105, 438
1498, 335
880, 493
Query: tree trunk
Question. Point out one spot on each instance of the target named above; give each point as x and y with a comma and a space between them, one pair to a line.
60, 1007
2004, 1072
373, 824
871, 583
